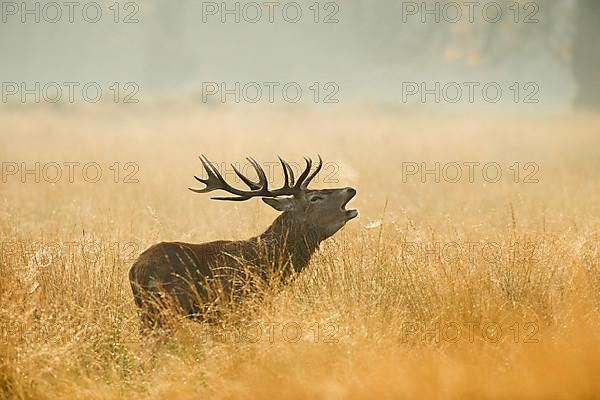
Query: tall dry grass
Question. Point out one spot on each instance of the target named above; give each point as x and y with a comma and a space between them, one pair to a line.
439, 290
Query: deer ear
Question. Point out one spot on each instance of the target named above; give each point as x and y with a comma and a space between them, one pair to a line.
280, 204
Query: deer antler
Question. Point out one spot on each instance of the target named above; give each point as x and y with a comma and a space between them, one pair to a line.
215, 181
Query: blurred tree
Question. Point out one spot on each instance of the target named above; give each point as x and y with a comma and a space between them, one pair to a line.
529, 34
586, 54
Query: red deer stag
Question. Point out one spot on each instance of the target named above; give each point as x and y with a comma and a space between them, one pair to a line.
196, 280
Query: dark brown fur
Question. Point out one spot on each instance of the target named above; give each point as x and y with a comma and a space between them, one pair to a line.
200, 280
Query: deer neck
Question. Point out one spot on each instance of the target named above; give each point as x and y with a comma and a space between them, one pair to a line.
290, 241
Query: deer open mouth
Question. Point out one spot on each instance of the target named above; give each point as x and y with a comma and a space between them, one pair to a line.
351, 213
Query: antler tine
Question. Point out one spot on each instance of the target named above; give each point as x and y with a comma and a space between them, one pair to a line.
220, 182
240, 198
210, 167
210, 182
287, 168
315, 172
215, 181
288, 188
286, 177
304, 174
288, 173
262, 177
251, 184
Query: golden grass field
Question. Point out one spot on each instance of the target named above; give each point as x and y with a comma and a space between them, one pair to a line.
439, 290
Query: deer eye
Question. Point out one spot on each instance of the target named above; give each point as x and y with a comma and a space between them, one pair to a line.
315, 199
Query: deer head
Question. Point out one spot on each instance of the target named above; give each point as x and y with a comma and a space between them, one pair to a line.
319, 213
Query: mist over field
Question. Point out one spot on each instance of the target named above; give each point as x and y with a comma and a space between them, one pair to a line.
470, 135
